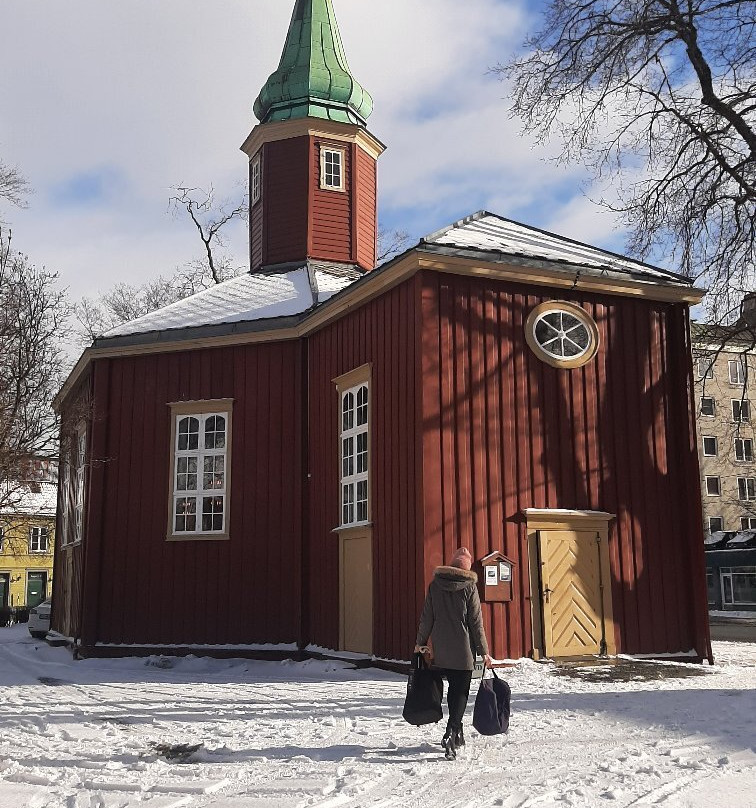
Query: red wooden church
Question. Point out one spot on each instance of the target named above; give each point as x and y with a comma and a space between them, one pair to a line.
281, 461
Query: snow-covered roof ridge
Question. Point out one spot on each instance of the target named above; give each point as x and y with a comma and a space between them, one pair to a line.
488, 232
246, 298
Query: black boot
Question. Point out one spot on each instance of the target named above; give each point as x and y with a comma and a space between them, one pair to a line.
459, 737
448, 742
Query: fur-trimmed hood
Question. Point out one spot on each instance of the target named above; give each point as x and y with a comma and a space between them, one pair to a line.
454, 578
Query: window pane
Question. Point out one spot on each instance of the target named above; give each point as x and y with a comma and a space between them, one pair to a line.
715, 523
743, 588
362, 453
362, 406
751, 488
710, 446
347, 421
712, 485
214, 476
212, 514
347, 458
362, 512
188, 434
742, 491
186, 515
707, 406
727, 589
347, 501
215, 432
186, 473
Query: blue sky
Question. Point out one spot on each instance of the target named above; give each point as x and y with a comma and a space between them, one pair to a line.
117, 102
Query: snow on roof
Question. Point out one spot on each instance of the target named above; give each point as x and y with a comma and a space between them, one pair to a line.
487, 232
34, 499
743, 537
248, 297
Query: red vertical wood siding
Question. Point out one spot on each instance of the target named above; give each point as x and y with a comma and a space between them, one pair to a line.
366, 209
142, 589
503, 431
383, 333
284, 200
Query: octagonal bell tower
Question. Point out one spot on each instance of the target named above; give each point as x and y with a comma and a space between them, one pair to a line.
312, 161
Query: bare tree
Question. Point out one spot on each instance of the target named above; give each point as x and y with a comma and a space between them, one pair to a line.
13, 186
210, 217
33, 313
659, 95
391, 243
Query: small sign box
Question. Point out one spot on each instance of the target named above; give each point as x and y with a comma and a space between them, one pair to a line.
496, 578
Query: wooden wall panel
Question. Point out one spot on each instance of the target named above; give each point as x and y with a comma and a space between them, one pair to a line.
366, 209
285, 200
331, 217
244, 590
504, 431
381, 333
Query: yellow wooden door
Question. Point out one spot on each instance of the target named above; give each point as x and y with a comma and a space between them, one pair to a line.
571, 592
357, 594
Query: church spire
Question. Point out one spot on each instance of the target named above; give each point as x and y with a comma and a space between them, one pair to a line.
313, 79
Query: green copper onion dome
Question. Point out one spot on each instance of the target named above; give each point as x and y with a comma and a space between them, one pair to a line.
313, 78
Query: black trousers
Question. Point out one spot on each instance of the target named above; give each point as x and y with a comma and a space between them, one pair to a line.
457, 695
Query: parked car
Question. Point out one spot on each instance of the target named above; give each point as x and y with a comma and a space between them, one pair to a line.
39, 619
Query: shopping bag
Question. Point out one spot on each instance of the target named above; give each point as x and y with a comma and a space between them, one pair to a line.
492, 706
425, 691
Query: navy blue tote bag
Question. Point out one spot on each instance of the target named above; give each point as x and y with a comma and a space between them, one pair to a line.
492, 706
425, 690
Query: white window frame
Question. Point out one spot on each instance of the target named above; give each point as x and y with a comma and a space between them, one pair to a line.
706, 367
255, 180
739, 406
2, 539
39, 531
750, 522
713, 407
737, 378
704, 438
65, 495
741, 444
747, 485
719, 485
355, 453
325, 152
720, 520
202, 411
80, 475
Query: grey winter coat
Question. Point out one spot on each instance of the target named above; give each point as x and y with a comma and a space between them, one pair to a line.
451, 615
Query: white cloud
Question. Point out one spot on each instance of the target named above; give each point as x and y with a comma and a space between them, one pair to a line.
157, 92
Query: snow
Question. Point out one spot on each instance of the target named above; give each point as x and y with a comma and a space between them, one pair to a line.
167, 732
489, 232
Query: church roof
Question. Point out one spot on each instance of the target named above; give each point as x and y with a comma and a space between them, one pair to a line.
246, 298
313, 79
495, 238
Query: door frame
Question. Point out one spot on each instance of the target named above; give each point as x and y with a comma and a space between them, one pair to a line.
8, 575
544, 519
31, 572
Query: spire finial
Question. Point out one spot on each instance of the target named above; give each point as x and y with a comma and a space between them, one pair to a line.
313, 78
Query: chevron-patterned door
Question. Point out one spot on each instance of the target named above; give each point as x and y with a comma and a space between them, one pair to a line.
571, 592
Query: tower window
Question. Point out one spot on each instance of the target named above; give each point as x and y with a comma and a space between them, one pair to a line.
255, 181
332, 169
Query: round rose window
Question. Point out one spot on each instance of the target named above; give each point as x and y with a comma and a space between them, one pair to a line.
562, 334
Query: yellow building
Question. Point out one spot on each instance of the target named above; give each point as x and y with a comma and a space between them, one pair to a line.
27, 528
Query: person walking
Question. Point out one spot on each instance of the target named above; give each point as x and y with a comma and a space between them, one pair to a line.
452, 618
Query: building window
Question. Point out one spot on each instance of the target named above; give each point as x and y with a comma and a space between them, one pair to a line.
713, 487
737, 372
711, 588
562, 334
2, 544
255, 180
355, 460
746, 488
200, 463
709, 446
79, 483
739, 586
744, 449
748, 522
39, 539
706, 367
716, 523
332, 169
707, 405
741, 410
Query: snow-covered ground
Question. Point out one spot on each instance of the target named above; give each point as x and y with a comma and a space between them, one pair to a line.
101, 734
